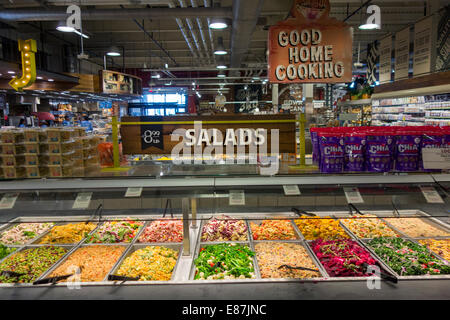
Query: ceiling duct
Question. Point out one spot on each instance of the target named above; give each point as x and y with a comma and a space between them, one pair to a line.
245, 16
42, 14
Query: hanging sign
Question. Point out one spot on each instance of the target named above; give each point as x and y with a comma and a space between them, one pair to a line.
310, 47
373, 56
385, 59
27, 49
402, 54
423, 44
443, 40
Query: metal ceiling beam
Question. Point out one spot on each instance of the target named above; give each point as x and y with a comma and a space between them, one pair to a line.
56, 14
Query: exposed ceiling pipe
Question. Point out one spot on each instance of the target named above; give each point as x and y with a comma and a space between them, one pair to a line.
183, 32
193, 33
56, 14
202, 35
211, 38
245, 16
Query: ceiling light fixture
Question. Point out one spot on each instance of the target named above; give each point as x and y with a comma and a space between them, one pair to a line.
220, 49
113, 52
218, 23
374, 20
81, 34
11, 72
166, 65
63, 27
51, 80
221, 64
221, 74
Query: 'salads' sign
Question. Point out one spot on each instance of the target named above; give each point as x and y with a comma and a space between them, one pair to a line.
310, 47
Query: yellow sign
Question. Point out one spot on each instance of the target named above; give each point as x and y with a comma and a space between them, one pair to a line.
27, 48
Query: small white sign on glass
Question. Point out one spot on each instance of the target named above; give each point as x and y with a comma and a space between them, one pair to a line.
82, 201
353, 195
431, 195
291, 190
133, 192
237, 198
8, 201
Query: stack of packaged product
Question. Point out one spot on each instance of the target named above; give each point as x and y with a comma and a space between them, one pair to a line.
50, 152
375, 149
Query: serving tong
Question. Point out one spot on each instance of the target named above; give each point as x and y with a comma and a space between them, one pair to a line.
297, 268
300, 212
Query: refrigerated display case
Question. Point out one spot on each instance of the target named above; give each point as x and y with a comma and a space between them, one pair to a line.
195, 201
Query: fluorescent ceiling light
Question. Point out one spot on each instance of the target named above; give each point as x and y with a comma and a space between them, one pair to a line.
166, 65
11, 72
369, 26
218, 23
39, 78
220, 50
81, 34
156, 76
51, 80
113, 52
63, 27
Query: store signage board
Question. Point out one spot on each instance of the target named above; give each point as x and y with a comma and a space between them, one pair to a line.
133, 192
353, 195
161, 139
442, 43
431, 195
385, 69
436, 158
311, 47
348, 116
291, 190
237, 198
424, 40
82, 201
8, 201
402, 54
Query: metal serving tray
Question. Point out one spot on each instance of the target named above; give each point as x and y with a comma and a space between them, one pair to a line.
135, 247
426, 218
70, 250
199, 247
297, 233
64, 259
141, 231
36, 241
16, 222
428, 277
204, 222
350, 232
311, 255
416, 240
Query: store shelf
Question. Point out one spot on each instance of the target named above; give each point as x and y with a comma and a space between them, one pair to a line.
354, 103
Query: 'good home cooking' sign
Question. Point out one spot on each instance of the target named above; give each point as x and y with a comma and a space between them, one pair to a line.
311, 47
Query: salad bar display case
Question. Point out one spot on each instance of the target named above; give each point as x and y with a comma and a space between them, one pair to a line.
186, 239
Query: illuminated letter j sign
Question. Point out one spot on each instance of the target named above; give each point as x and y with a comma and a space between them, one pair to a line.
27, 49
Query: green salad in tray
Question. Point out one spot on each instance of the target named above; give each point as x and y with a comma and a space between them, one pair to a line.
5, 251
225, 261
408, 258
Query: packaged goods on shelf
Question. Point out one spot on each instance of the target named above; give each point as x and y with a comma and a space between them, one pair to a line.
57, 147
57, 158
343, 257
94, 262
152, 263
13, 172
224, 228
407, 258
12, 148
439, 246
58, 171
31, 159
34, 172
33, 262
374, 149
11, 135
416, 227
225, 261
59, 134
10, 160
23, 233
272, 255
31, 147
31, 135
163, 231
326, 228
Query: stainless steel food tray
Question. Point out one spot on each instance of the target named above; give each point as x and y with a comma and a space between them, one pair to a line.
82, 245
298, 235
135, 247
204, 222
69, 251
423, 277
147, 223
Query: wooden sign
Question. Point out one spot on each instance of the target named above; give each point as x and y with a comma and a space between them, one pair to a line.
157, 138
310, 47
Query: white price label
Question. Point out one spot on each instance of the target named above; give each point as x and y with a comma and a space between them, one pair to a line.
431, 195
133, 192
82, 201
353, 195
291, 190
8, 201
237, 198
436, 158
